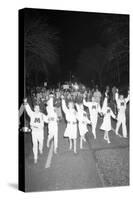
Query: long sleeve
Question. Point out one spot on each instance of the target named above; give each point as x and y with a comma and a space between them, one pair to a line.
112, 114
77, 106
104, 105
64, 107
50, 102
85, 103
127, 99
88, 121
99, 108
45, 118
21, 110
116, 97
28, 110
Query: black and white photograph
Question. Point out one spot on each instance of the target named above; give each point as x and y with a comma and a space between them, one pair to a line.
74, 100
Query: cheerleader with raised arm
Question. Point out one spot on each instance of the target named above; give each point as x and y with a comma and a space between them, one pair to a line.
82, 123
37, 120
71, 118
107, 114
94, 109
121, 107
52, 124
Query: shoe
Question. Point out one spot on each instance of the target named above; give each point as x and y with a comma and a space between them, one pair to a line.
125, 136
84, 139
35, 161
47, 145
94, 137
70, 148
55, 151
108, 141
41, 152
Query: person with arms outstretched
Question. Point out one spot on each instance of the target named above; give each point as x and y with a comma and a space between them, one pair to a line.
37, 120
121, 117
94, 109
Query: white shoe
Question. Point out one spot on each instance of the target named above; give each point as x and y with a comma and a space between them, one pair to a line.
35, 161
94, 136
47, 145
41, 152
105, 138
55, 151
108, 141
70, 148
125, 136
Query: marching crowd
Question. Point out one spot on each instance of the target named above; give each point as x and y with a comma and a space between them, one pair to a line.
80, 107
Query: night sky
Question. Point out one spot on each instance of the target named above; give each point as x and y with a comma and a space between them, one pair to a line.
76, 31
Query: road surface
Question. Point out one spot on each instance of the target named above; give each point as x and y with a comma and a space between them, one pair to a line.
65, 170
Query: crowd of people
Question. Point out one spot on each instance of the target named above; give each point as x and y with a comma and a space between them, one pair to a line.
80, 107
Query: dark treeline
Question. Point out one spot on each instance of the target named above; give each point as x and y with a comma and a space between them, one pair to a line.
89, 46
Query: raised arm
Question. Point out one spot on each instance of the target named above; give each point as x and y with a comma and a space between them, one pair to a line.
85, 103
45, 118
87, 120
50, 102
103, 110
21, 110
116, 97
64, 107
127, 99
99, 108
27, 108
77, 106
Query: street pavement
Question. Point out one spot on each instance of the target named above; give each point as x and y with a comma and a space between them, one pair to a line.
66, 170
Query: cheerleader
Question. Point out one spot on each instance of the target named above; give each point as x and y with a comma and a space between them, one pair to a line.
52, 124
71, 118
82, 123
121, 107
107, 114
37, 120
94, 109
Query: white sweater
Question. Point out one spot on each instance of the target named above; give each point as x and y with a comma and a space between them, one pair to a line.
36, 119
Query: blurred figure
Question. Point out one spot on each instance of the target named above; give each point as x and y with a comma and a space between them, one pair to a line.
107, 90
82, 123
52, 124
94, 109
71, 118
114, 89
97, 95
121, 106
107, 114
